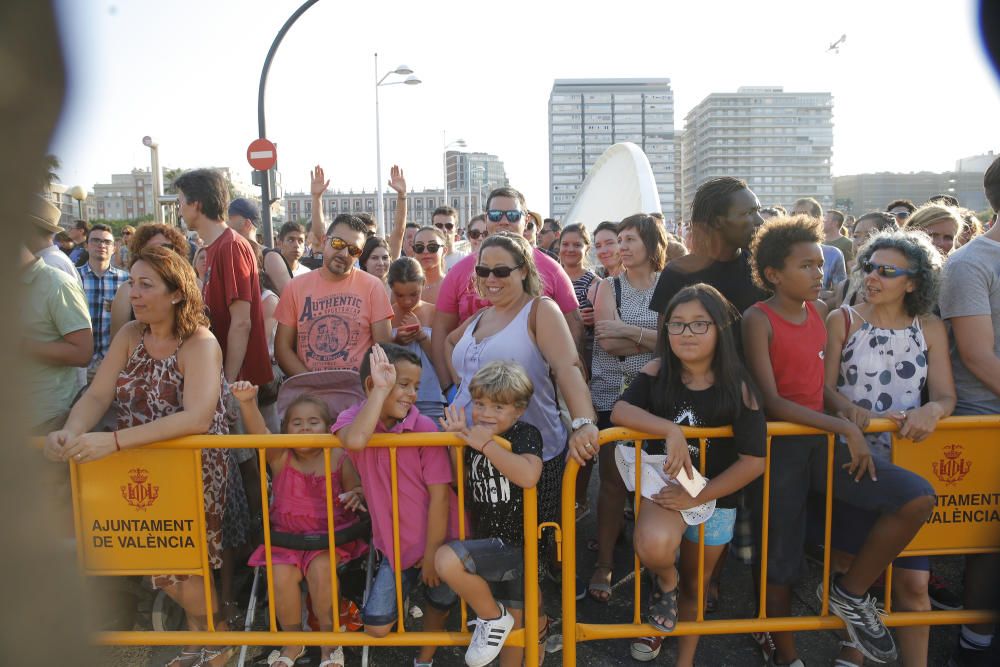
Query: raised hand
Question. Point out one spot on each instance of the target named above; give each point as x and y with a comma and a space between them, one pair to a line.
383, 372
243, 391
396, 179
318, 183
453, 420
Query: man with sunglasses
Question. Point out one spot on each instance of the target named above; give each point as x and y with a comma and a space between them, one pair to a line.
548, 236
445, 220
458, 299
330, 317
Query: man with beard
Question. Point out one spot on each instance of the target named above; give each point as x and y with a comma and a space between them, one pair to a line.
330, 317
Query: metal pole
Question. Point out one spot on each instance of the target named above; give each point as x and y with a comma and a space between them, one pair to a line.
468, 190
380, 221
444, 159
154, 152
265, 185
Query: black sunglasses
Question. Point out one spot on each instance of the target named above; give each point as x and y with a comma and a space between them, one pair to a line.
498, 271
474, 234
431, 247
494, 215
445, 225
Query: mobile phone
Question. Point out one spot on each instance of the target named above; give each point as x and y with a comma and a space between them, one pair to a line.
694, 484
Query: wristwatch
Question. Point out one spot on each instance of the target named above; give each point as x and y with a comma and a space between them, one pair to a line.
580, 422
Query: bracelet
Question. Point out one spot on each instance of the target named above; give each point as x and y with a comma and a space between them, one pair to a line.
118, 447
638, 343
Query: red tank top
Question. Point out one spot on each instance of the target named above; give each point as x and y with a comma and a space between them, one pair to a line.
797, 356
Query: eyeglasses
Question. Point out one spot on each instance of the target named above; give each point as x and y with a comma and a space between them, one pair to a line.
339, 244
886, 270
103, 242
475, 234
698, 327
445, 225
904, 214
432, 247
494, 215
498, 271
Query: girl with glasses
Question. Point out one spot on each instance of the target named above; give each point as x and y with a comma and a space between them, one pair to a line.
429, 249
697, 379
476, 233
891, 336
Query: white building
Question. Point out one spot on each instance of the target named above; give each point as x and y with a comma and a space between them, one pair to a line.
420, 205
780, 143
586, 116
471, 176
976, 163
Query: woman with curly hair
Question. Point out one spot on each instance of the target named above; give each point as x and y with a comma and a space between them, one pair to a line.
152, 235
881, 357
163, 377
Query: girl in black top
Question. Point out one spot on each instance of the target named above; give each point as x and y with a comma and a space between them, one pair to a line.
697, 380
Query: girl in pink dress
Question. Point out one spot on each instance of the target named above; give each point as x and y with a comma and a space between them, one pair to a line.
299, 506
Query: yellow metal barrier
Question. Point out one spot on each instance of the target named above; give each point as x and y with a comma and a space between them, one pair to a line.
958, 460
142, 512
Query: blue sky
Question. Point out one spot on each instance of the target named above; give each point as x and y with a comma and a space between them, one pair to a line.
912, 90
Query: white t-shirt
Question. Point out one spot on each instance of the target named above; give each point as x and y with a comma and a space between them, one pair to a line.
57, 259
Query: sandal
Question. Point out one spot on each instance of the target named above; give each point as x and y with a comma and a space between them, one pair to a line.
208, 654
712, 598
600, 591
335, 659
662, 604
275, 658
186, 659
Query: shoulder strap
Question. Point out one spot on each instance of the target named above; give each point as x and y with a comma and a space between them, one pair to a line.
847, 324
618, 295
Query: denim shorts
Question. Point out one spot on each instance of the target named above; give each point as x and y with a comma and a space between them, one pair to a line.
500, 564
380, 608
718, 529
798, 465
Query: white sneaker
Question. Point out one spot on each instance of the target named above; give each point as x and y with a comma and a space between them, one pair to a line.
488, 638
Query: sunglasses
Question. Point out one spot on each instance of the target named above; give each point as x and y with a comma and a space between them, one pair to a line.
445, 225
430, 247
495, 215
339, 244
902, 214
498, 271
698, 327
475, 234
529, 226
885, 270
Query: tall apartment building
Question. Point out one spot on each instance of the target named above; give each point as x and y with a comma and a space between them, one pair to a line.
472, 173
420, 205
780, 143
586, 116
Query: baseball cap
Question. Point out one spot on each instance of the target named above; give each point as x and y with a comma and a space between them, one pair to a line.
245, 208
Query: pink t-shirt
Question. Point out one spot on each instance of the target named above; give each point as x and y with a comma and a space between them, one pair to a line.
333, 318
416, 469
458, 290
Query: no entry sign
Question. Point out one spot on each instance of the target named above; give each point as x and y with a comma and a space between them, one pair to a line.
262, 154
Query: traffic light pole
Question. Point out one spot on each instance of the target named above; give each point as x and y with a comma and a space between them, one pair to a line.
265, 181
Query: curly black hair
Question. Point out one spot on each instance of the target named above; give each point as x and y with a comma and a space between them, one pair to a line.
773, 243
923, 259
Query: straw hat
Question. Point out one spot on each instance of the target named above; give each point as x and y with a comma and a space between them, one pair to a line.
45, 214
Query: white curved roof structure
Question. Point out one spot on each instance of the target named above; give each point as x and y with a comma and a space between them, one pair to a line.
619, 184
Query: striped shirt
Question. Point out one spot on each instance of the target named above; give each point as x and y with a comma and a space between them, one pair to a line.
100, 292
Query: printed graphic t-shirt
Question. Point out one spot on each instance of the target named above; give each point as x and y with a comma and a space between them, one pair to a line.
333, 318
496, 505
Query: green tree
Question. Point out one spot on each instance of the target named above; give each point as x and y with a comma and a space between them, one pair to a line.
51, 176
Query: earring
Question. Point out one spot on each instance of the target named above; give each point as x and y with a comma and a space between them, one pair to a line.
175, 302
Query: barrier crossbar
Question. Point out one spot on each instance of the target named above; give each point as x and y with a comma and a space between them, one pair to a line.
402, 636
948, 473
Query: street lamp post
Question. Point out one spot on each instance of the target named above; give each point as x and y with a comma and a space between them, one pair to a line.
410, 80
80, 195
154, 159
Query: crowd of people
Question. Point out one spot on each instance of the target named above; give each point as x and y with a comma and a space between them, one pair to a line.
541, 333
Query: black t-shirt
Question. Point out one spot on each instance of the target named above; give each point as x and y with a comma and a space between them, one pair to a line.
496, 505
698, 408
732, 279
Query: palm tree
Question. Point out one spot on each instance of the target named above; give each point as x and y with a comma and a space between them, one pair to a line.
51, 165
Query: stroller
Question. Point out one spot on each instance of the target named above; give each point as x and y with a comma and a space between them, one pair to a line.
340, 389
